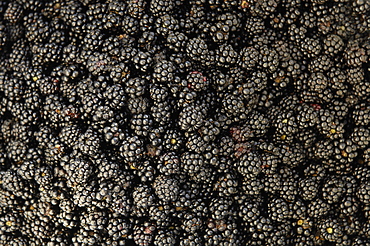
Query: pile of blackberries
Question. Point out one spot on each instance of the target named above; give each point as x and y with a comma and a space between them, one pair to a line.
185, 122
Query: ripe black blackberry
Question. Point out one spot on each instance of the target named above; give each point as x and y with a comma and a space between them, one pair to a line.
192, 117
354, 54
331, 230
196, 81
142, 61
141, 124
220, 208
173, 140
166, 188
164, 72
249, 165
89, 142
169, 163
12, 182
227, 185
191, 162
161, 112
234, 105
131, 149
77, 171
333, 44
166, 24
363, 192
158, 92
197, 50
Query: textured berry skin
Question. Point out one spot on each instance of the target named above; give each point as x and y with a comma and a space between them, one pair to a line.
170, 122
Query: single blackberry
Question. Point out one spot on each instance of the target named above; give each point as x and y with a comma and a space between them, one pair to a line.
89, 142
320, 64
12, 182
70, 135
161, 112
141, 124
166, 24
333, 189
210, 130
349, 205
222, 232
354, 54
361, 137
166, 188
196, 81
131, 149
234, 106
220, 208
16, 151
164, 72
360, 114
363, 193
94, 220
226, 56
260, 230
197, 50
173, 140
169, 163
318, 209
78, 171
135, 87
192, 117
191, 162
331, 230
158, 92
249, 165
143, 61
13, 12
227, 185
333, 44
162, 215
278, 210
118, 228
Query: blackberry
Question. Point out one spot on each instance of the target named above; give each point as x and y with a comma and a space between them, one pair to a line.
158, 92
173, 140
166, 188
142, 61
131, 149
196, 81
197, 50
249, 165
220, 208
89, 142
333, 44
161, 112
138, 105
227, 185
78, 171
278, 210
191, 162
333, 190
135, 87
14, 12
226, 56
192, 117
331, 230
363, 193
164, 71
141, 124
234, 105
318, 209
166, 24
169, 163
